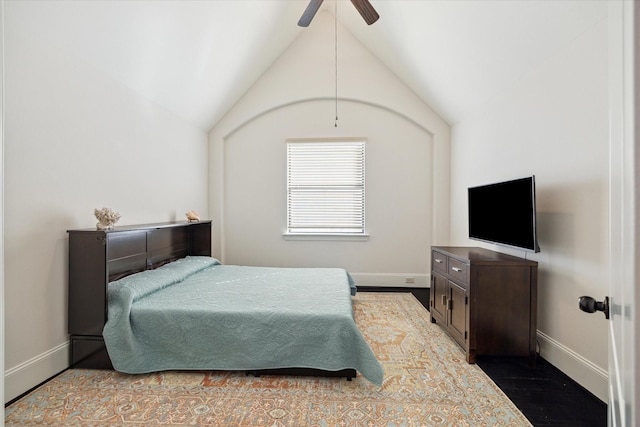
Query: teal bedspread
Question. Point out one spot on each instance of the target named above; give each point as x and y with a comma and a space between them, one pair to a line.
196, 314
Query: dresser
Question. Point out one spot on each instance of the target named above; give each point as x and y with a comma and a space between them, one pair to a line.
97, 257
485, 300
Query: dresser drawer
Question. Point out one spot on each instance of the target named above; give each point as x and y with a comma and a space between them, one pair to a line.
458, 270
439, 262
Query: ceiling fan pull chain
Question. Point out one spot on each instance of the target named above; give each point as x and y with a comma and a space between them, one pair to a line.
336, 58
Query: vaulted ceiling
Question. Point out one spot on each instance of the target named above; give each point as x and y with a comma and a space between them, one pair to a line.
197, 58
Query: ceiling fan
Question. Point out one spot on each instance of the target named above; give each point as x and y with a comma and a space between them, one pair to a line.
365, 9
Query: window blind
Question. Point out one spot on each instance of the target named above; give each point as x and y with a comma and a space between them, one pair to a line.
325, 187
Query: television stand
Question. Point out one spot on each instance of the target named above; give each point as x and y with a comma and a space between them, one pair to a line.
485, 300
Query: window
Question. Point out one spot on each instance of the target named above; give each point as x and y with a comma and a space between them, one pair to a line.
325, 187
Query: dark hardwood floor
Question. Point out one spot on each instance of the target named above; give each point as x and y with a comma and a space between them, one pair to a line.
544, 394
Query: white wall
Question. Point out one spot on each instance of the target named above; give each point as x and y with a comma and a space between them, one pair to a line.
406, 162
76, 140
554, 124
2, 322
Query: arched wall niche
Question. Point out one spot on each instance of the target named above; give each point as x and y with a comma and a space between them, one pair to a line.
248, 183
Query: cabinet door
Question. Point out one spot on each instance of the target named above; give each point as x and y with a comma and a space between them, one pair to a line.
438, 298
457, 314
87, 276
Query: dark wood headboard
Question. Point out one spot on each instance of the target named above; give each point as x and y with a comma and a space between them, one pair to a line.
133, 250
97, 257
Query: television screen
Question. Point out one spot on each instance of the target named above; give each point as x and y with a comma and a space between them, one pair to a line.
504, 213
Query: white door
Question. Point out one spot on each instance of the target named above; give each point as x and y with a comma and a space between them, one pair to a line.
624, 178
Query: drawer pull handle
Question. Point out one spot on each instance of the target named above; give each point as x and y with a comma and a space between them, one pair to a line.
438, 260
456, 269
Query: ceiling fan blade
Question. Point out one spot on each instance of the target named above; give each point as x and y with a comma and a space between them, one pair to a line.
367, 11
309, 12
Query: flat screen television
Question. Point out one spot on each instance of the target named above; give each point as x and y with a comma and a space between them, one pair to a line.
504, 213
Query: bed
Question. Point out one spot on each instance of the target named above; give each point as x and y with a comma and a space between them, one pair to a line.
195, 313
184, 310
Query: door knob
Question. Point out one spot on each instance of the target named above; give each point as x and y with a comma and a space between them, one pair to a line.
590, 305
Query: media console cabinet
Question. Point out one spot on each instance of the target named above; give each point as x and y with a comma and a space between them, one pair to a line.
97, 257
485, 300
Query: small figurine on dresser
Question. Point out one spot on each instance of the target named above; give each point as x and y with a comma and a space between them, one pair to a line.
192, 216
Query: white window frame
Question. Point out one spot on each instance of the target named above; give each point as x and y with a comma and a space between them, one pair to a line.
295, 183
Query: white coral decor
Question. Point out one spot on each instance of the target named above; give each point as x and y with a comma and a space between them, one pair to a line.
107, 218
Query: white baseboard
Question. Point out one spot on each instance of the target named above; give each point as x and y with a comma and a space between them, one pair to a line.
29, 374
584, 372
394, 280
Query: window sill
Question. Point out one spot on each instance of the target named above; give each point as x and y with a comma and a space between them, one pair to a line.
327, 237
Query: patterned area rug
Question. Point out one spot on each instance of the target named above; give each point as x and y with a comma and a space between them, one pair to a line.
427, 383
